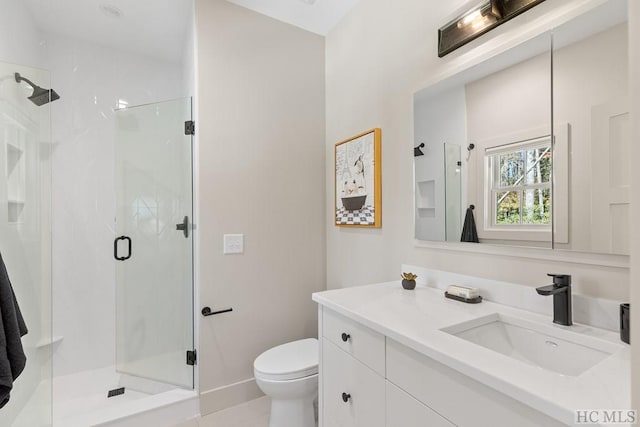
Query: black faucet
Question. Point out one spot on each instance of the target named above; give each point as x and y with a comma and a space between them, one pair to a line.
561, 291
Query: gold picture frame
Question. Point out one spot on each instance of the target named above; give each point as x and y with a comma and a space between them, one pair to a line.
358, 180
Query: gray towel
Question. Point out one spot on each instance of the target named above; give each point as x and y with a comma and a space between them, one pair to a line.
469, 232
12, 327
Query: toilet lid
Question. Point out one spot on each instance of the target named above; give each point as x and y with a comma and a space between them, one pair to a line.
297, 359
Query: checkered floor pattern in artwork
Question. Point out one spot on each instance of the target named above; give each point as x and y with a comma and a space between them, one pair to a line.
363, 216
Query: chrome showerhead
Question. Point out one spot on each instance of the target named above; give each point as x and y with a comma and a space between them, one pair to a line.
40, 96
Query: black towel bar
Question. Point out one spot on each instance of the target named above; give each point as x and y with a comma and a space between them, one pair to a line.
206, 311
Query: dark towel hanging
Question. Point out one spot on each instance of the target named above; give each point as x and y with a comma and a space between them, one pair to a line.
12, 328
469, 232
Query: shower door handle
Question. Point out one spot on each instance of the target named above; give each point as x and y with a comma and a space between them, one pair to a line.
184, 227
115, 248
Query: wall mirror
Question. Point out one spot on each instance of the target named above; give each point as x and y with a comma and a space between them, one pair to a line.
483, 139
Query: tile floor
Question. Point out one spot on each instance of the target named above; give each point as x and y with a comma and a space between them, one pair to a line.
250, 414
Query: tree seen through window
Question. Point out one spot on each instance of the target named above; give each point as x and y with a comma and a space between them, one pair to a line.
521, 185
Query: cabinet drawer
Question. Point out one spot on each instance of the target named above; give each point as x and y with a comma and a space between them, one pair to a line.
444, 389
363, 389
403, 410
361, 342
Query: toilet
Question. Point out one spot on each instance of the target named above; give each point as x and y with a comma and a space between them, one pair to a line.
288, 374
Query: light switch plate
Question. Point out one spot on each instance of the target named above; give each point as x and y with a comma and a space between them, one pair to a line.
233, 244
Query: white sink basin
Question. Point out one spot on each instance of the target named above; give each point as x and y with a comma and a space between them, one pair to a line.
546, 346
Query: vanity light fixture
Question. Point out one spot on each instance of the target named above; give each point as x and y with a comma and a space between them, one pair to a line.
478, 20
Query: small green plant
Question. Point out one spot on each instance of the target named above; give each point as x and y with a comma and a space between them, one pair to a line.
409, 276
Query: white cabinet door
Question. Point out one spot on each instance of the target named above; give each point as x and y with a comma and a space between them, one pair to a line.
353, 395
405, 411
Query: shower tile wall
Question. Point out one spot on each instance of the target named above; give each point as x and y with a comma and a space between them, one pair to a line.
92, 80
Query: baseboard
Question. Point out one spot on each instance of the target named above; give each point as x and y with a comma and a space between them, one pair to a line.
231, 395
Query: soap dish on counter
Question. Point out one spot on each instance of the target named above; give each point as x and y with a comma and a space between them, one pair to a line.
475, 300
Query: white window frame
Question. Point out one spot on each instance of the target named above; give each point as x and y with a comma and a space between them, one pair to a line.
492, 187
526, 233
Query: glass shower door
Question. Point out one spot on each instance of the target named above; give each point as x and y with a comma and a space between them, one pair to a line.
153, 246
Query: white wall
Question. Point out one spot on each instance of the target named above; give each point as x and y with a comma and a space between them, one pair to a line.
634, 70
189, 57
398, 61
91, 80
261, 160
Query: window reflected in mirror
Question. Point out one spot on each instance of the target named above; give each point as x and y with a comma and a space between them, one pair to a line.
519, 184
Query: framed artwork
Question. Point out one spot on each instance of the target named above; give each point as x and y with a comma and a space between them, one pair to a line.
358, 180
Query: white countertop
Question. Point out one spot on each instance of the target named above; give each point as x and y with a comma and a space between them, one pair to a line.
414, 318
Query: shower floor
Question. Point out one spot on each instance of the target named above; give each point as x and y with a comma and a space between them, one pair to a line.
80, 400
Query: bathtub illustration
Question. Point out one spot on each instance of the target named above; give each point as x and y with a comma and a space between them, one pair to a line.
354, 203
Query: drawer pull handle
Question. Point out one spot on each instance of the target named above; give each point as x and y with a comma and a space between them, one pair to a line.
345, 397
345, 338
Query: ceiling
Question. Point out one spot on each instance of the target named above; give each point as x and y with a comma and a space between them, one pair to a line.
155, 27
158, 28
319, 17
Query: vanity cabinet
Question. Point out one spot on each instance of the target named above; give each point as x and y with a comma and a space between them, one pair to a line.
369, 380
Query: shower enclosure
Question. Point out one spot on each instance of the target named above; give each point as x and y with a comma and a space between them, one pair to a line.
153, 260
96, 210
153, 250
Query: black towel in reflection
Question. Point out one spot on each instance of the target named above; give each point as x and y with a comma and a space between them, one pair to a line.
469, 232
12, 327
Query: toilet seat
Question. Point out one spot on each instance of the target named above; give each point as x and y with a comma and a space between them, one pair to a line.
293, 360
